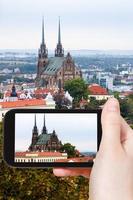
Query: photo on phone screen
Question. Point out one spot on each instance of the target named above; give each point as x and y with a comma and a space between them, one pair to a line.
55, 137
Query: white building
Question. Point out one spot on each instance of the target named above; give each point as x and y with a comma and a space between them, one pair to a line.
27, 103
38, 157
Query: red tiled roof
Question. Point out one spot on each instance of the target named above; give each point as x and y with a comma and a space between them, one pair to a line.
96, 89
38, 154
23, 103
78, 159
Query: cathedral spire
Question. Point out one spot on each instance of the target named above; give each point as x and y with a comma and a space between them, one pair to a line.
35, 131
44, 130
34, 135
43, 39
43, 52
59, 33
35, 121
59, 51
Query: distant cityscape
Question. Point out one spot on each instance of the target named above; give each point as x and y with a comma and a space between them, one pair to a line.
38, 80
96, 68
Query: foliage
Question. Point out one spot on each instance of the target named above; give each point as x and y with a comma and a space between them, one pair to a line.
116, 95
41, 184
1, 95
61, 101
77, 88
69, 149
126, 106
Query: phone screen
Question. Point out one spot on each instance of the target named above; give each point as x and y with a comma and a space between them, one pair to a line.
55, 137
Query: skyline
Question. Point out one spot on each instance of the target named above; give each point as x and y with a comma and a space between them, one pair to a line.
84, 24
87, 131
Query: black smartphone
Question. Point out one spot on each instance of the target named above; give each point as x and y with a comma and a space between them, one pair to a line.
51, 138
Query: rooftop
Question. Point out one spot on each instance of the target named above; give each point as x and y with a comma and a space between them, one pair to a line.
53, 65
96, 89
40, 154
23, 103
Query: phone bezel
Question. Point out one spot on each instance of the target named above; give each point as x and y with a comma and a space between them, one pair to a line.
9, 138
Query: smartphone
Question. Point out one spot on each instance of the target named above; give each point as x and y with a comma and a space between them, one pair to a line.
51, 138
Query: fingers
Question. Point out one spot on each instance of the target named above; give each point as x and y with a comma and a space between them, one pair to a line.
72, 172
126, 131
111, 125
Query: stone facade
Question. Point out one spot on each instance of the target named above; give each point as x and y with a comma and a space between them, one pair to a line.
53, 72
45, 141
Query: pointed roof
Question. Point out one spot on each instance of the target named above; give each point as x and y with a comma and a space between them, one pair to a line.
35, 130
43, 39
43, 52
13, 93
35, 121
59, 51
59, 33
44, 130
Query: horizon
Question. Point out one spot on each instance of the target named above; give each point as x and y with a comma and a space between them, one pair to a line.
34, 49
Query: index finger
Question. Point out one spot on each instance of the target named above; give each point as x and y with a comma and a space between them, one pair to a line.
62, 172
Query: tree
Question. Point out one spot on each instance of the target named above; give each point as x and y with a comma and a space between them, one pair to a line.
69, 149
77, 88
131, 97
116, 95
1, 95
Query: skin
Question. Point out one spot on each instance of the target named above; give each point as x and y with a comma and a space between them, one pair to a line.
111, 177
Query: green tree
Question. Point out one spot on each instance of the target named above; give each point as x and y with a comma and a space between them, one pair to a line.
77, 89
1, 95
125, 107
130, 97
69, 149
116, 95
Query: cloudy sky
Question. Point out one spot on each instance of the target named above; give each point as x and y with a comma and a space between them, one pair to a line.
78, 129
86, 24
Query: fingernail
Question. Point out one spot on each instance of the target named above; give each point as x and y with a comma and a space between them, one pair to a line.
113, 105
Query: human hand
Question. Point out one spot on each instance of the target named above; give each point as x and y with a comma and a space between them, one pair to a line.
112, 173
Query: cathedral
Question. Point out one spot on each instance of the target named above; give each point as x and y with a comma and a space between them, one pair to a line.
52, 72
45, 141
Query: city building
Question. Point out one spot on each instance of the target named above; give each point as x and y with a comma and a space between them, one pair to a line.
98, 92
27, 103
52, 72
39, 157
45, 141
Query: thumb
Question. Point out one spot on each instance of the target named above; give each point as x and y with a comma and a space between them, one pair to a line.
111, 125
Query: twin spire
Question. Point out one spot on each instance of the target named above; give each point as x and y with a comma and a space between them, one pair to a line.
35, 130
59, 51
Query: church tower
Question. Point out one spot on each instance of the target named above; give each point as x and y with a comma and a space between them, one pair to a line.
59, 51
44, 130
42, 53
34, 135
13, 93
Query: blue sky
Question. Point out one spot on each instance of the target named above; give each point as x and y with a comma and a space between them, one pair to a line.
86, 24
78, 129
